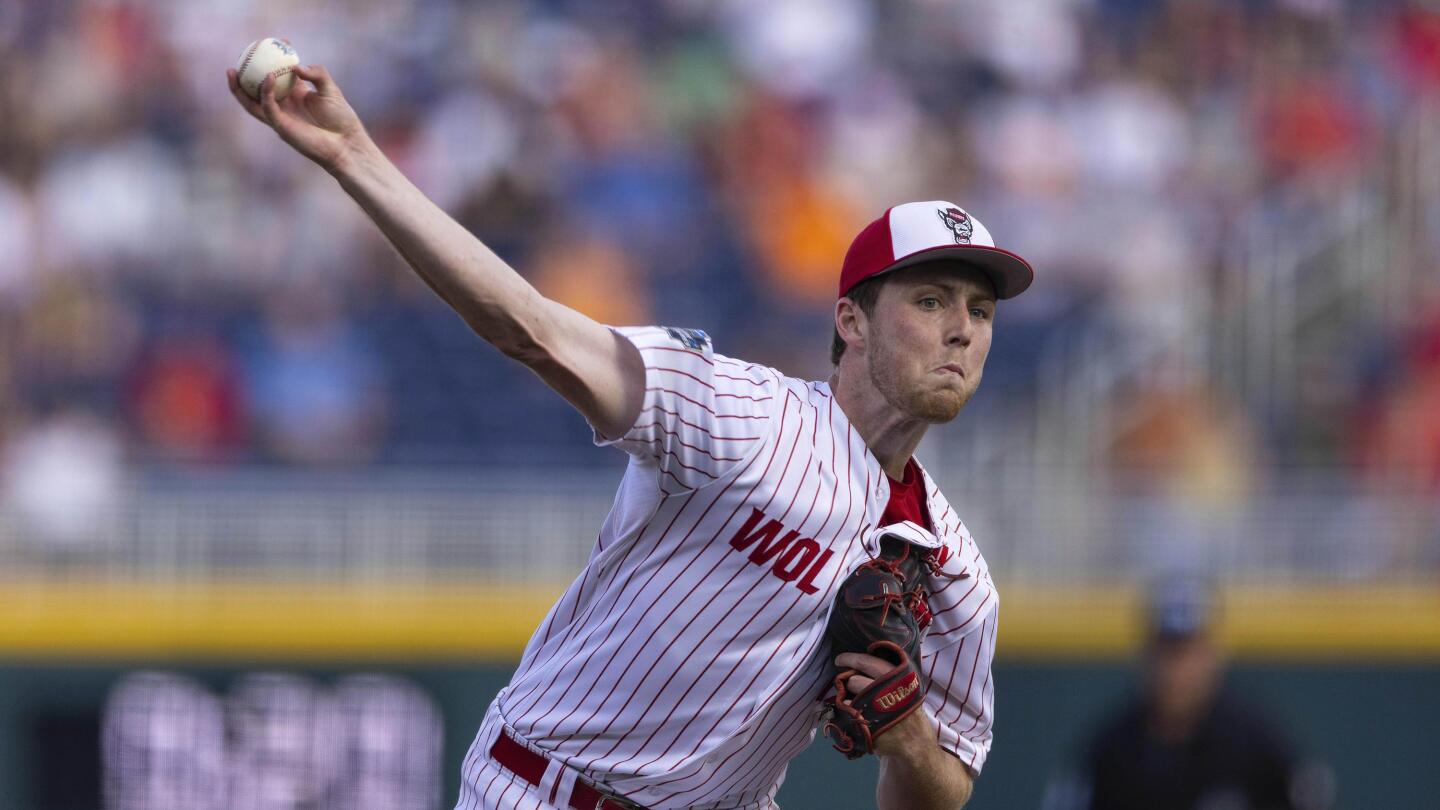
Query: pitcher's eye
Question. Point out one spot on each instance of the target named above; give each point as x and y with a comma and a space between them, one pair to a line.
929, 302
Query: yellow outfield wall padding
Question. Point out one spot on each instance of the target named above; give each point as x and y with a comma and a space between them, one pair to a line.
249, 620
469, 620
1394, 622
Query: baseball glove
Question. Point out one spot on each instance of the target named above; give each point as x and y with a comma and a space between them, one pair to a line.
882, 609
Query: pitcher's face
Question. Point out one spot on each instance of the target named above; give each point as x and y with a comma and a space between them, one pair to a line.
928, 338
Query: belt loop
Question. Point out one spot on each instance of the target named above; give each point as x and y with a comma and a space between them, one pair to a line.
550, 780
564, 785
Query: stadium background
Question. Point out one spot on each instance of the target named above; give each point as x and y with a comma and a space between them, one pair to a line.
246, 459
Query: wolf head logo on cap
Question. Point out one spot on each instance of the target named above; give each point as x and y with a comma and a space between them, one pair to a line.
959, 224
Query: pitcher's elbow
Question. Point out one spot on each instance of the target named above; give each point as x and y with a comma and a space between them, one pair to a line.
523, 347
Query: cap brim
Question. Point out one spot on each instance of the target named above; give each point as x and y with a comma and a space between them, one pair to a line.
1010, 274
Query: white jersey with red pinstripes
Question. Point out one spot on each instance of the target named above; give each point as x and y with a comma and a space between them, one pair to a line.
685, 666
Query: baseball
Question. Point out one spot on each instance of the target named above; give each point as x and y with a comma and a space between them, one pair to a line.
267, 57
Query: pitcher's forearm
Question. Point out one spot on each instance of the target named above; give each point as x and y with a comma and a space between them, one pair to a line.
937, 780
916, 773
500, 305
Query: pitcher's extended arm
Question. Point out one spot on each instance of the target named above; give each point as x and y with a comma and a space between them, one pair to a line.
598, 372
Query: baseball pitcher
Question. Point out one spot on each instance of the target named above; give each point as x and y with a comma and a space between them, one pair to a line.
776, 561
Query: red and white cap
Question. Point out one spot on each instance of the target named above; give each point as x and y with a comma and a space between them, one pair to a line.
919, 232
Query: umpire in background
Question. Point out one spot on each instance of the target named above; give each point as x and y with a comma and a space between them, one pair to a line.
1185, 742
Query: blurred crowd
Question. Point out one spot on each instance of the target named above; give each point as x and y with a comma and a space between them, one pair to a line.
178, 286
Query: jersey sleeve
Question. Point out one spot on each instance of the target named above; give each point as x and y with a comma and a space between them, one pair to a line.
960, 696
702, 412
962, 594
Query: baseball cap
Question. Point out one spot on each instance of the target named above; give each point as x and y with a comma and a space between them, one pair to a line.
919, 232
1180, 607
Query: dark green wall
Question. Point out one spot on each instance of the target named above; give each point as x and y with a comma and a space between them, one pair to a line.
1376, 726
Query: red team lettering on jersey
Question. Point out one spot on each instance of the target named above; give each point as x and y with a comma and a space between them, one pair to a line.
684, 666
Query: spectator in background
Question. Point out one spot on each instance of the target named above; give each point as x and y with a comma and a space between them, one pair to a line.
1185, 741
185, 398
70, 343
1398, 430
1190, 457
591, 274
722, 149
314, 384
63, 480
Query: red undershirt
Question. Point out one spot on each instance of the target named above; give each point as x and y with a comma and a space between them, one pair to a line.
907, 499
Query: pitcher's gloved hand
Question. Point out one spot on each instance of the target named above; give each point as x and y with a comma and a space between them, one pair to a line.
881, 609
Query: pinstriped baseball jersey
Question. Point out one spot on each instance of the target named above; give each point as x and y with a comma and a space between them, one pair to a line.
684, 667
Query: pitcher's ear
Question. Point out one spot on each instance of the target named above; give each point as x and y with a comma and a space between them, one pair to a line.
851, 322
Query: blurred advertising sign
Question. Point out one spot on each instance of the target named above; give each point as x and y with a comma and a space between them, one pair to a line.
274, 741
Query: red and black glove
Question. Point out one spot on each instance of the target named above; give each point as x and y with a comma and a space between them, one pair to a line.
882, 609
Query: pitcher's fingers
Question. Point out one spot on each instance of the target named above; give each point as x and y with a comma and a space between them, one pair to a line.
318, 76
858, 684
298, 92
250, 105
273, 114
290, 104
868, 664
